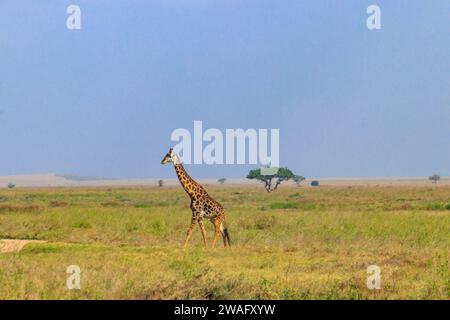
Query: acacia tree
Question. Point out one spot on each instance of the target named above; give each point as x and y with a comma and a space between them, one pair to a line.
222, 180
435, 178
298, 180
272, 181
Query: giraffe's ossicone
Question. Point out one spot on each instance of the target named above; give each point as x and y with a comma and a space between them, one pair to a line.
202, 204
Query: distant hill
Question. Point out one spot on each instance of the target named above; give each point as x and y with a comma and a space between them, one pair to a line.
81, 178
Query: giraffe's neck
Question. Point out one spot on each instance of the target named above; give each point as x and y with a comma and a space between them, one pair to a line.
186, 181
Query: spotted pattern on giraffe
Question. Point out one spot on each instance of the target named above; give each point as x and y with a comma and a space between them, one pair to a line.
202, 204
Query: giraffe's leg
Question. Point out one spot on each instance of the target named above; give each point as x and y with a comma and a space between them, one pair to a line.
217, 222
202, 228
223, 235
189, 232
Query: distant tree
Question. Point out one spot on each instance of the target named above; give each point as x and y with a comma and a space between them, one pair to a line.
160, 183
298, 179
11, 185
435, 178
314, 183
222, 180
283, 174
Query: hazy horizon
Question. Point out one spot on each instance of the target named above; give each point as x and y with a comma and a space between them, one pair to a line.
174, 177
103, 101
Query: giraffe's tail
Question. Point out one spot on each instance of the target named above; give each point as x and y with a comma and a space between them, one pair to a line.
226, 236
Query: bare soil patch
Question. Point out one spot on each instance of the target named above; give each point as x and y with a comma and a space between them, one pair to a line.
15, 245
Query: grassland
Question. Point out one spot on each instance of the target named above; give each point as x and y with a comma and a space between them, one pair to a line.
295, 243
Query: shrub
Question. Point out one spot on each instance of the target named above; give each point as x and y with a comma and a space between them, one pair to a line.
314, 183
82, 225
435, 206
11, 185
283, 205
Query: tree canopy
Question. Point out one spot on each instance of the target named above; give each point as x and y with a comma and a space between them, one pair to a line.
272, 180
298, 179
435, 178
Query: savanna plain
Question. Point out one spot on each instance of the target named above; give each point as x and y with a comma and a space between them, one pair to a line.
294, 243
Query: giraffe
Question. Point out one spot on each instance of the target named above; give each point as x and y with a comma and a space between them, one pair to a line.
202, 204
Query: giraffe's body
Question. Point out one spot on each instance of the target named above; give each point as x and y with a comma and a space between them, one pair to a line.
202, 204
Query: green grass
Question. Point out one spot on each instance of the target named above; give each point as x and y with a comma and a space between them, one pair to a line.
295, 243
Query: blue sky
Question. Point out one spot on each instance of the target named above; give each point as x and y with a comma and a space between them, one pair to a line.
103, 100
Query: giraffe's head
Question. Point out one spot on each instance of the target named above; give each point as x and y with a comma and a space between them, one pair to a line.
170, 157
